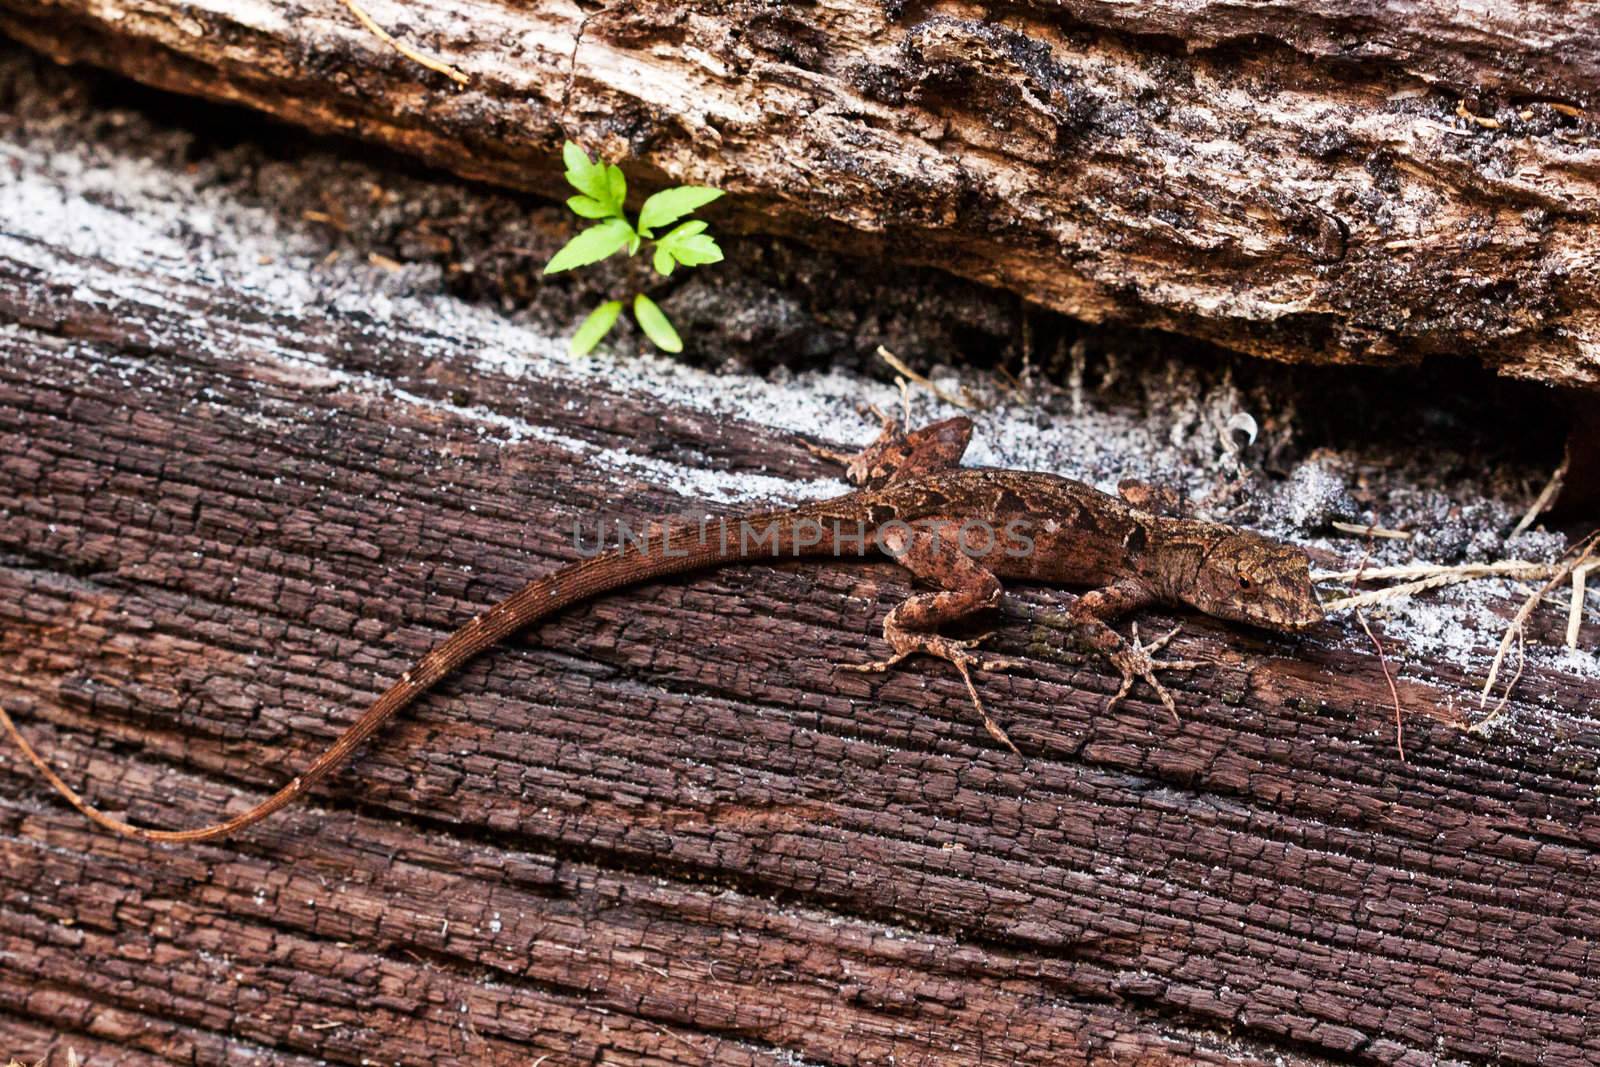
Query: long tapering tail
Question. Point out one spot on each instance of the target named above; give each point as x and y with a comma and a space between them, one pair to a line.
659, 555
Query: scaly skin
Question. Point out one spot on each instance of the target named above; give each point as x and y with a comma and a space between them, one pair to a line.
960, 529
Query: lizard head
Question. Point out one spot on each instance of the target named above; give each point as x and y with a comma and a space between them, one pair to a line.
1252, 579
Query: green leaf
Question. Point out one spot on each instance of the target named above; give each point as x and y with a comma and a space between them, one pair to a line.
595, 327
591, 246
655, 325
669, 205
585, 175
663, 261
697, 251
689, 244
588, 207
574, 157
616, 186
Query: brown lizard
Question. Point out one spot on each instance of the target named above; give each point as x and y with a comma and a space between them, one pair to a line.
959, 529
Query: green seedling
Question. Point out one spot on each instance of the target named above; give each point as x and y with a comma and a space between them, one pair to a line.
602, 191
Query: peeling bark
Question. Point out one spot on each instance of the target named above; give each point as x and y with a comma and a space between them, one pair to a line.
1316, 181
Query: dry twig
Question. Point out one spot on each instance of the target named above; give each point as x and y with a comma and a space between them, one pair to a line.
1370, 531
1542, 501
927, 383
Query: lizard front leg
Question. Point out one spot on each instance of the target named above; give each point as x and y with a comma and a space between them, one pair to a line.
1089, 619
912, 625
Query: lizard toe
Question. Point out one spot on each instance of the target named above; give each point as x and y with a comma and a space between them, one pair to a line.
959, 655
1128, 678
1136, 664
877, 666
1159, 643
1165, 697
833, 455
964, 664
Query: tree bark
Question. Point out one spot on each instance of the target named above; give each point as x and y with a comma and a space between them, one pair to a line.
1316, 181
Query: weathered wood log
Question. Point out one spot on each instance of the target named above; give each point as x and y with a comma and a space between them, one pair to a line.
237, 497
1321, 180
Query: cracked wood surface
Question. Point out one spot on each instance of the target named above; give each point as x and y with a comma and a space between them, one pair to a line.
662, 828
1318, 180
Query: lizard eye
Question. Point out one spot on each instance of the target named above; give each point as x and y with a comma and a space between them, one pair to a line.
1244, 583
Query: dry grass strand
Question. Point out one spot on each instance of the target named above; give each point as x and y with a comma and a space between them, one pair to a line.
1434, 577
1575, 557
1371, 531
1580, 578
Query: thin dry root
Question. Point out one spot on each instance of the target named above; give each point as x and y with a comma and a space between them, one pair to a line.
1394, 691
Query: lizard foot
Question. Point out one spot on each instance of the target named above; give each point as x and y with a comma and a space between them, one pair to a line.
957, 653
862, 466
1137, 661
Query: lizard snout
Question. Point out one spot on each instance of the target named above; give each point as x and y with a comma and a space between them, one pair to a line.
1305, 610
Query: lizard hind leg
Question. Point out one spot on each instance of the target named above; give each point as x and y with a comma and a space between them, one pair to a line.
897, 455
910, 627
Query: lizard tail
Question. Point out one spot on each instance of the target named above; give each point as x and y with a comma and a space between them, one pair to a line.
675, 552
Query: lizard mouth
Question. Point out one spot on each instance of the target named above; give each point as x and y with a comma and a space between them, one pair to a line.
1306, 622
1296, 624
1309, 616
